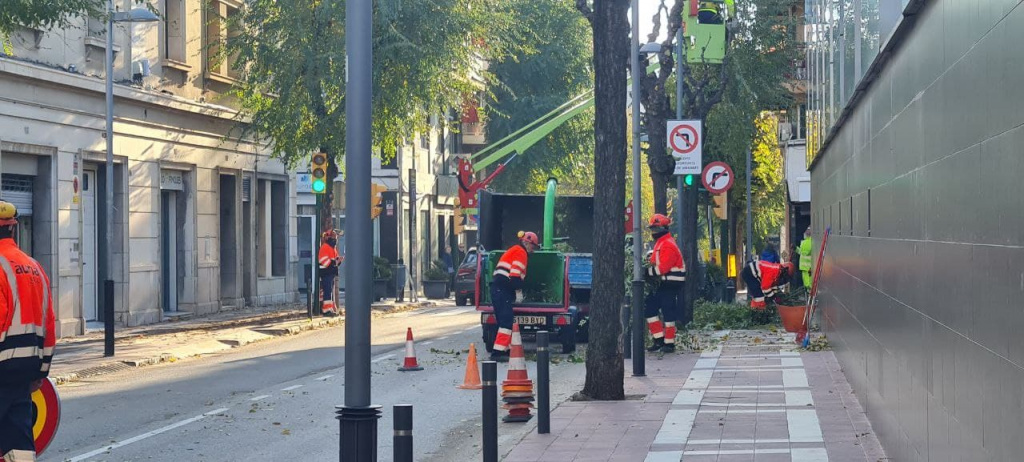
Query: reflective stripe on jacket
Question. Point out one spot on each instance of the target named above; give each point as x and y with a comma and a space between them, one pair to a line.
511, 268
667, 261
27, 325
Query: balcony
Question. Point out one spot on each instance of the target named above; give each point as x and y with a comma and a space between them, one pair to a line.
446, 189
474, 133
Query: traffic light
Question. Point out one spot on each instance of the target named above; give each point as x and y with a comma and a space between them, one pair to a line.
375, 199
688, 180
459, 217
721, 205
318, 170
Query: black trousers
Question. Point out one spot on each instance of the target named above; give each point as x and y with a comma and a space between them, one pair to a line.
16, 419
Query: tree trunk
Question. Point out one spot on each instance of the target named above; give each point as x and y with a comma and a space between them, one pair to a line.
327, 210
611, 52
661, 164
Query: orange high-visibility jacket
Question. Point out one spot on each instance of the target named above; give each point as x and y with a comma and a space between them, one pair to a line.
328, 257
666, 261
27, 332
511, 268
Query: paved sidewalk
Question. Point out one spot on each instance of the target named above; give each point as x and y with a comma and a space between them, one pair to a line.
81, 357
751, 397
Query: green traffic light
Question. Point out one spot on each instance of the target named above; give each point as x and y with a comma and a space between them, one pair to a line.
688, 180
319, 186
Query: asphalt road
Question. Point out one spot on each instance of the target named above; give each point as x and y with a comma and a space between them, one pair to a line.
274, 400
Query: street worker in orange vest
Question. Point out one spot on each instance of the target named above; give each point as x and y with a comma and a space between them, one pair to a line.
668, 268
27, 338
507, 288
329, 261
766, 278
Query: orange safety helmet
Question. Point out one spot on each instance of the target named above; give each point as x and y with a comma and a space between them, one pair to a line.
659, 221
528, 237
8, 214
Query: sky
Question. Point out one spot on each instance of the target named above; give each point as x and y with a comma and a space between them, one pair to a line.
647, 10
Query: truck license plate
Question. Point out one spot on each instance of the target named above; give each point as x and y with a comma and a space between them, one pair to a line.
531, 320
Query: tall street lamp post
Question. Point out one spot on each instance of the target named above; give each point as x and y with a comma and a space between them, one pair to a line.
133, 16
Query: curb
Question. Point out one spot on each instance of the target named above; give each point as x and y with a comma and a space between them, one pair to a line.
268, 332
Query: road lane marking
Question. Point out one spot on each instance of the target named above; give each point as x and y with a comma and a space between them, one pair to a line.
293, 387
428, 342
324, 378
257, 398
664, 456
381, 358
143, 436
470, 329
677, 426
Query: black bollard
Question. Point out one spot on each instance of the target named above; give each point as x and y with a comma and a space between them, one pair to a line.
403, 433
490, 411
543, 384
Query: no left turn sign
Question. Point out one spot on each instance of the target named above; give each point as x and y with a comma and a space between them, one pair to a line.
717, 177
684, 138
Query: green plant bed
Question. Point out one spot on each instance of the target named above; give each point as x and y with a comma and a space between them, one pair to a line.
544, 283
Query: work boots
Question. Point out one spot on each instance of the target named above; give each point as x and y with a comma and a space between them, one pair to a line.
657, 345
668, 348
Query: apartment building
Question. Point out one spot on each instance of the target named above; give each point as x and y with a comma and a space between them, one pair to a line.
202, 221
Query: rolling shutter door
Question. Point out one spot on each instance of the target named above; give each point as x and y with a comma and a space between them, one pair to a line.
17, 189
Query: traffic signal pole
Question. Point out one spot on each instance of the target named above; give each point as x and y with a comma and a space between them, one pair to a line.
358, 417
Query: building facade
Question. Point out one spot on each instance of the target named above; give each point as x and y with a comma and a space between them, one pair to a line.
917, 173
202, 221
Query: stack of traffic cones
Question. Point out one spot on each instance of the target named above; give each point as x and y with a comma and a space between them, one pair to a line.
410, 354
517, 389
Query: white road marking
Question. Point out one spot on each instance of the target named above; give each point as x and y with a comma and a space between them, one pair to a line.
794, 378
717, 442
324, 378
746, 387
743, 411
809, 455
664, 456
706, 363
143, 436
699, 379
799, 398
688, 398
792, 362
803, 426
381, 358
677, 426
736, 452
257, 398
293, 387
442, 338
428, 342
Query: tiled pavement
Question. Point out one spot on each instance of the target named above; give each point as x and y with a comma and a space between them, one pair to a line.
753, 398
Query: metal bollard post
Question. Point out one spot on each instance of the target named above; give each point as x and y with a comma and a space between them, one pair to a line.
490, 411
543, 384
403, 433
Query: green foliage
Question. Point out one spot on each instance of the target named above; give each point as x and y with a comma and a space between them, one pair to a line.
436, 272
291, 57
381, 268
552, 67
44, 14
718, 316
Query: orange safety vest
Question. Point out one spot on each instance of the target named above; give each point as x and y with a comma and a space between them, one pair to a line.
328, 256
511, 268
666, 260
27, 331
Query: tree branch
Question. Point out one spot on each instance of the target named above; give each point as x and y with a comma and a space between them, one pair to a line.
585, 9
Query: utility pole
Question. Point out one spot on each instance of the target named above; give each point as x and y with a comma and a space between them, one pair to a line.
679, 116
358, 417
638, 280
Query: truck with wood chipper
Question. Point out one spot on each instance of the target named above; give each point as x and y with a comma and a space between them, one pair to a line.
558, 279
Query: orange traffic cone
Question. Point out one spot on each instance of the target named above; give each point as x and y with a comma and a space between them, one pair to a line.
410, 354
517, 389
472, 380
